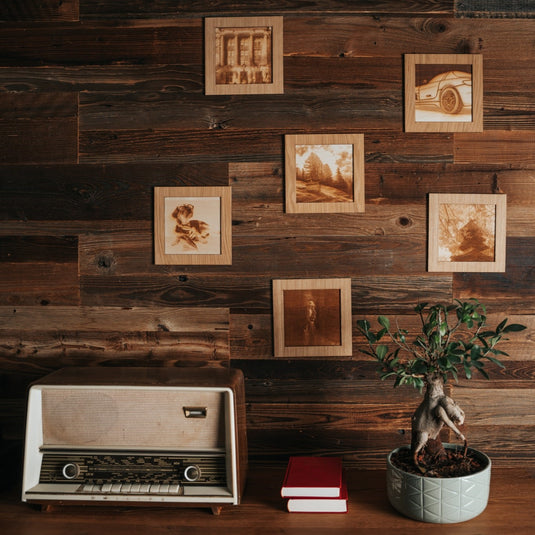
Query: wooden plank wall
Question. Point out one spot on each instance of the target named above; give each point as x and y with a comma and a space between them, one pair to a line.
102, 101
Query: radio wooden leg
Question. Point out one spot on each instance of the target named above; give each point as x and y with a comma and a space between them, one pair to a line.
216, 509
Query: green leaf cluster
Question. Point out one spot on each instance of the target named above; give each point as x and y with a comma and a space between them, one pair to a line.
453, 339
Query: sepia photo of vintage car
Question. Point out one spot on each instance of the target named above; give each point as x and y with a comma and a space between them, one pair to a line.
451, 91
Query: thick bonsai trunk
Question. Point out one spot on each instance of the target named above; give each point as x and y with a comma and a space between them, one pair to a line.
435, 410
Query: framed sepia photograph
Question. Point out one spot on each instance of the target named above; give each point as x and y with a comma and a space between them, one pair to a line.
467, 232
443, 93
312, 317
243, 55
192, 225
324, 173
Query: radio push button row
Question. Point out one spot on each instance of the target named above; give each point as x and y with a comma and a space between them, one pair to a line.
71, 471
116, 487
106, 487
174, 488
135, 487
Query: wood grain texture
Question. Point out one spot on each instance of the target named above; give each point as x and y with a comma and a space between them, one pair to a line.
263, 511
500, 147
313, 256
39, 270
96, 193
39, 128
103, 44
198, 8
513, 289
99, 109
39, 10
165, 336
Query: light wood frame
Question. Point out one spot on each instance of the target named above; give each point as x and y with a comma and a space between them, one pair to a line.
215, 204
275, 63
487, 217
355, 203
326, 294
444, 122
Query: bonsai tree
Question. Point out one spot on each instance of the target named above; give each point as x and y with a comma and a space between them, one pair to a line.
453, 339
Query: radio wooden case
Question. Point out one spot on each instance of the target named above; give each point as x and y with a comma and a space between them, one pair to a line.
137, 436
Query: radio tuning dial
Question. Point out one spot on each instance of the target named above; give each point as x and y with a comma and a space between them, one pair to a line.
192, 473
71, 471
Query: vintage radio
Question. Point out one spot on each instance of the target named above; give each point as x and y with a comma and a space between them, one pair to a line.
137, 436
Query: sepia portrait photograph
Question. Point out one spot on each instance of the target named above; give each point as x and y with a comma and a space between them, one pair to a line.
467, 232
443, 92
324, 173
243, 55
192, 225
312, 317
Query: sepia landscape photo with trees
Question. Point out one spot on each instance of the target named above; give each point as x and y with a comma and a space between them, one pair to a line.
324, 173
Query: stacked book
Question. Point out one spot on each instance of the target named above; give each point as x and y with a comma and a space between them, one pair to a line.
315, 485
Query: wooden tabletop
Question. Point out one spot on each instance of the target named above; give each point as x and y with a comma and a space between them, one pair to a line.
510, 510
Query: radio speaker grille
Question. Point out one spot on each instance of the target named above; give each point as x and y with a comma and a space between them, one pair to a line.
132, 418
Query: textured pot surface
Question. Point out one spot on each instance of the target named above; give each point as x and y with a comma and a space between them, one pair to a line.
439, 500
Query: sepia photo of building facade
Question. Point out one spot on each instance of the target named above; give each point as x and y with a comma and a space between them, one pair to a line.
244, 55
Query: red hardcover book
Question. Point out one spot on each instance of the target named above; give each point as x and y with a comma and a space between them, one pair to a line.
318, 477
319, 505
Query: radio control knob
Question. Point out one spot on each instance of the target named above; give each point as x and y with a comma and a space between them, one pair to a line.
192, 473
71, 471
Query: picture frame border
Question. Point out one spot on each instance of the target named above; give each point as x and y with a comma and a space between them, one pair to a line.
475, 125
499, 200
346, 336
359, 202
225, 256
277, 58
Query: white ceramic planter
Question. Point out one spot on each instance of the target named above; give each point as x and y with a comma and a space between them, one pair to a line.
439, 500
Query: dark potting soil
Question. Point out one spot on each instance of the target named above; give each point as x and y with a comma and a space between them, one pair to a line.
451, 463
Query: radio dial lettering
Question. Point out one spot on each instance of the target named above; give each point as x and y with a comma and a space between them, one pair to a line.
71, 471
192, 473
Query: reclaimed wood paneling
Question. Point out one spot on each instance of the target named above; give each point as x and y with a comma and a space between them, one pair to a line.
197, 8
312, 256
37, 127
39, 283
103, 44
39, 270
161, 336
251, 333
514, 288
496, 425
39, 10
517, 147
94, 192
115, 77
169, 112
381, 37
229, 145
98, 109
125, 146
